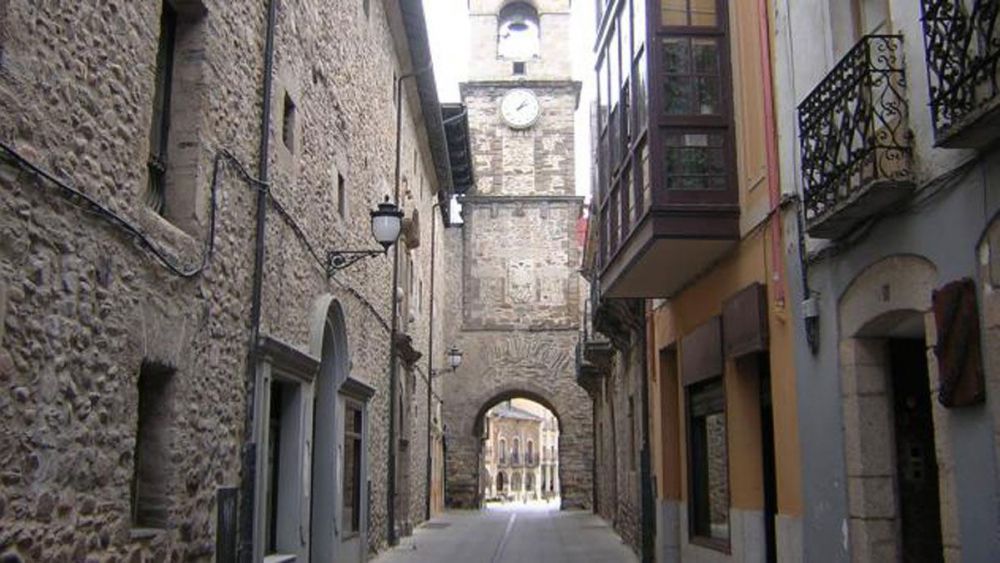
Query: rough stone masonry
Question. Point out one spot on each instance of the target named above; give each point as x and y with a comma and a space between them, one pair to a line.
518, 299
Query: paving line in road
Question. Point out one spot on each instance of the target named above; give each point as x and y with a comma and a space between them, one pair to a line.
503, 541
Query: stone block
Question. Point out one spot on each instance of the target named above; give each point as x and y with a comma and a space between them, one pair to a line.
871, 497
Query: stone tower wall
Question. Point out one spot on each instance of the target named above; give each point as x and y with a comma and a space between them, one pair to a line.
520, 294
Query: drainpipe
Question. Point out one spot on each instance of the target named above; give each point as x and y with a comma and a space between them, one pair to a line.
771, 148
646, 474
248, 467
430, 365
393, 360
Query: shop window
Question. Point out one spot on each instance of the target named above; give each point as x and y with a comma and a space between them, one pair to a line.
708, 463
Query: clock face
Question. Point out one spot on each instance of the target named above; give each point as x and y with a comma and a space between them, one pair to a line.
519, 108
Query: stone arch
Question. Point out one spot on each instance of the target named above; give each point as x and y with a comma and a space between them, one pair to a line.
890, 299
496, 396
889, 286
518, 31
988, 251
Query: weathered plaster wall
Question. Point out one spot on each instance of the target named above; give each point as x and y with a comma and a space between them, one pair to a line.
945, 229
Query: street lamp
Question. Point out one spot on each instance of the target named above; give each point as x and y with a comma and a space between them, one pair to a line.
387, 222
454, 358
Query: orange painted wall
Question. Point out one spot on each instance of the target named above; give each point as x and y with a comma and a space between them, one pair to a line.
751, 261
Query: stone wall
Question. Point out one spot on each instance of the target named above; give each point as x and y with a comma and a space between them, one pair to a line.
617, 401
528, 162
82, 306
502, 365
518, 267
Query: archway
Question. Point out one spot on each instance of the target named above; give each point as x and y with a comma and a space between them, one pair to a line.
538, 369
891, 445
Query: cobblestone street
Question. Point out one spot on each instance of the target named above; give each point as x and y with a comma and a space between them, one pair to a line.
512, 533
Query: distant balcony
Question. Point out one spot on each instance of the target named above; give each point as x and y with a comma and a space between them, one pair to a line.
854, 129
962, 42
592, 352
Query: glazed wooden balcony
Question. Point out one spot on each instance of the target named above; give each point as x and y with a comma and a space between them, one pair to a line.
962, 45
855, 139
667, 196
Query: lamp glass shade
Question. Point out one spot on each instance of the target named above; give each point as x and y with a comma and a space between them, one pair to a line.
454, 357
387, 222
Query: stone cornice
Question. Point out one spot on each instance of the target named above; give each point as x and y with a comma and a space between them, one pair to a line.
520, 199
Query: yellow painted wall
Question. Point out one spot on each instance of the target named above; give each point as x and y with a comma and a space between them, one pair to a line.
694, 306
749, 262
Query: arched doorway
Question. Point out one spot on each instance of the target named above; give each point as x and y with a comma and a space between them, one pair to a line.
887, 377
337, 502
512, 431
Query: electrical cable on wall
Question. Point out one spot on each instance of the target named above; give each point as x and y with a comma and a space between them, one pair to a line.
223, 156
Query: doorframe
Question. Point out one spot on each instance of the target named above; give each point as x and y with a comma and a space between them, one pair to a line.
874, 304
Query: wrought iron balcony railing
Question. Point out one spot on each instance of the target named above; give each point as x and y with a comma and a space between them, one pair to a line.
962, 44
855, 138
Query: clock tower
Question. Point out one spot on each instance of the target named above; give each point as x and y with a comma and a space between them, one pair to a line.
521, 288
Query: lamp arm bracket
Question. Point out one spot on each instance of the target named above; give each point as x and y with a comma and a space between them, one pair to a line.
340, 259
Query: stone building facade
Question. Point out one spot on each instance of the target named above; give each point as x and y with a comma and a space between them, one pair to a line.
134, 423
517, 302
520, 460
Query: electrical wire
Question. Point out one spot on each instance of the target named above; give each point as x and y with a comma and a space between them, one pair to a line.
223, 156
320, 261
76, 196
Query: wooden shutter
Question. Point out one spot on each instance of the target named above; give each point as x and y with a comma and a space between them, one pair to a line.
958, 349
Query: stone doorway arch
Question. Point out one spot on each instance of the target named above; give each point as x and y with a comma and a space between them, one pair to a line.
887, 338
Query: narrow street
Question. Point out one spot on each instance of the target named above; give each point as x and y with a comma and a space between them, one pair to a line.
512, 533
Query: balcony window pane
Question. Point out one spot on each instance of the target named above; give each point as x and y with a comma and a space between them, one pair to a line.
614, 212
673, 12
695, 161
692, 81
638, 25
628, 207
687, 13
614, 57
602, 91
641, 95
615, 139
703, 13
645, 181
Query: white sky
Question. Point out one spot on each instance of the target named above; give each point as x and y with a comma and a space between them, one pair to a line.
448, 27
